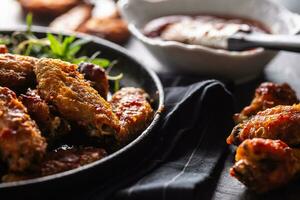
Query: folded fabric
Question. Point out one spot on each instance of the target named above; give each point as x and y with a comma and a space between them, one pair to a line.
189, 144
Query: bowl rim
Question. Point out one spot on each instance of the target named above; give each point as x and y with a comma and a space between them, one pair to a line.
122, 4
118, 153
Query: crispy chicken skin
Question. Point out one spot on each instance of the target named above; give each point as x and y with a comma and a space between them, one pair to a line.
133, 110
51, 125
61, 85
60, 160
112, 29
263, 164
48, 8
280, 122
268, 95
21, 143
16, 71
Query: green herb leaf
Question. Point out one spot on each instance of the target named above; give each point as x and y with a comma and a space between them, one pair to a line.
101, 62
55, 45
29, 22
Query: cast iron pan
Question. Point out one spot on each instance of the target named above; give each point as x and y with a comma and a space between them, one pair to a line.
135, 75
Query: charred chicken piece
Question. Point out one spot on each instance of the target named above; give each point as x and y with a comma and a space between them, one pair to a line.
51, 125
60, 160
112, 29
21, 143
61, 85
278, 123
268, 95
16, 71
263, 164
97, 77
133, 110
73, 19
48, 8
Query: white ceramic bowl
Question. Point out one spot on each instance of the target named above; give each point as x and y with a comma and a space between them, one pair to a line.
238, 66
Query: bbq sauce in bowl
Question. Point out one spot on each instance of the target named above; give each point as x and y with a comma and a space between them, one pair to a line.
206, 30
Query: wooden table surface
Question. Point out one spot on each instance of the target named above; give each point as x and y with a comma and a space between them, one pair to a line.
284, 68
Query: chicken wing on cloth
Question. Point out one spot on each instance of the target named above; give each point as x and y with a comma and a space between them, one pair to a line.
268, 95
16, 71
21, 143
133, 110
263, 164
280, 122
61, 85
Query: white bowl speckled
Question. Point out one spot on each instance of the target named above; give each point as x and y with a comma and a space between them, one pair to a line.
238, 66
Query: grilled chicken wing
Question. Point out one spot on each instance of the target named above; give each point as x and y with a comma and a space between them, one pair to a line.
60, 160
61, 85
263, 164
268, 95
96, 76
73, 19
280, 122
51, 125
133, 110
16, 71
21, 143
113, 29
48, 8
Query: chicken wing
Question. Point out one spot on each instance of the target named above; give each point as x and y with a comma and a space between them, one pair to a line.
263, 164
48, 8
72, 19
97, 77
61, 85
280, 122
112, 29
51, 125
268, 95
21, 143
60, 160
133, 110
16, 71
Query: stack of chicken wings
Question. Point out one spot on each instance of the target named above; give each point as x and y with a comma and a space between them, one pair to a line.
45, 103
267, 134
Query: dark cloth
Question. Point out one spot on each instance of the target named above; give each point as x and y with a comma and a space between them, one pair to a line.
188, 148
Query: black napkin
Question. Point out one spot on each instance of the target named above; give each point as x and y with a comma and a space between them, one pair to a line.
188, 148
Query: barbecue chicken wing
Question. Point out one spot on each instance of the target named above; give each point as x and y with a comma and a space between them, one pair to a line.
62, 86
133, 110
48, 8
51, 125
16, 71
263, 164
21, 143
60, 160
280, 122
268, 95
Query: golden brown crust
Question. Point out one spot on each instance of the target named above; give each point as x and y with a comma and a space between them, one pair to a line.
112, 29
133, 110
280, 122
263, 164
48, 8
268, 95
21, 143
61, 85
16, 71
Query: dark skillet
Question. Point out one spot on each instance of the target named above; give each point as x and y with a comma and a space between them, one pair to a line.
135, 75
